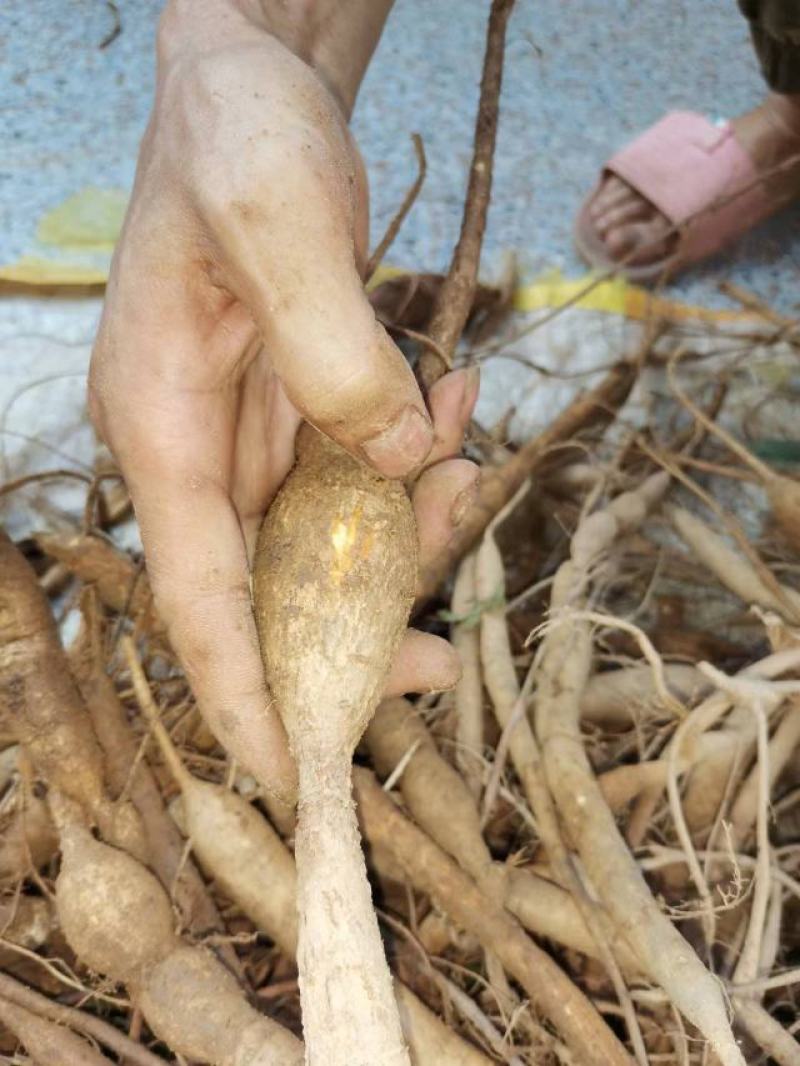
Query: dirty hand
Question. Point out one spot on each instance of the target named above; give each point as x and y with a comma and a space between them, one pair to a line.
235, 309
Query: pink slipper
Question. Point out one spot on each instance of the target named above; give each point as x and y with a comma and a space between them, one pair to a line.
683, 165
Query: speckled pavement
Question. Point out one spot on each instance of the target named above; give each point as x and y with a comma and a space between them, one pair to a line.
582, 76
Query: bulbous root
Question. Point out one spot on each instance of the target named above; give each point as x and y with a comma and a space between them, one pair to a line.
334, 580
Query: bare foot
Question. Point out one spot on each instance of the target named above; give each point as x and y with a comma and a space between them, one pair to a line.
629, 225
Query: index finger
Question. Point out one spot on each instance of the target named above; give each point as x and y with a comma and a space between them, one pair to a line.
197, 562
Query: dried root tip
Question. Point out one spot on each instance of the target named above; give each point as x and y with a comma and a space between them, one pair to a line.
730, 568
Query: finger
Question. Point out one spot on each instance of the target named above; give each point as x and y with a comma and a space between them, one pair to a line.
424, 663
451, 402
442, 498
201, 584
175, 451
289, 250
361, 208
265, 446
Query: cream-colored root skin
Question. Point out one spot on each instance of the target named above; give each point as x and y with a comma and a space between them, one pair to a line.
197, 1007
334, 581
346, 993
246, 858
47, 1043
101, 897
431, 1042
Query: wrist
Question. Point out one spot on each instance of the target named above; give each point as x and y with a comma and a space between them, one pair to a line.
334, 37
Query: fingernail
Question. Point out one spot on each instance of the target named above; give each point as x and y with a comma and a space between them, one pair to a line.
464, 502
472, 384
402, 446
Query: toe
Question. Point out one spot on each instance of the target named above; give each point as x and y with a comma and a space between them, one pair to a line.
633, 210
639, 243
613, 192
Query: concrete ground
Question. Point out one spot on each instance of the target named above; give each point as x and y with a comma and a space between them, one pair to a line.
581, 78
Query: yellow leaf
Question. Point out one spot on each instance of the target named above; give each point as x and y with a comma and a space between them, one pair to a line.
90, 219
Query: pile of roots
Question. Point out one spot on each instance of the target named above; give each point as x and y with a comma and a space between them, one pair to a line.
587, 853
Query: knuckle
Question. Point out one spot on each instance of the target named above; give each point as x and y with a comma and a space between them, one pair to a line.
228, 104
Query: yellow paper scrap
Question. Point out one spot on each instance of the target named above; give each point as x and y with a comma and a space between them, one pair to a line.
90, 219
75, 241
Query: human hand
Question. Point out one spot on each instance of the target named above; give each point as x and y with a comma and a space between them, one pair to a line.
234, 310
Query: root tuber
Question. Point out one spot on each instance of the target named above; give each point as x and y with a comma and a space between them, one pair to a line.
564, 667
118, 920
101, 895
127, 772
431, 871
617, 699
41, 707
26, 921
469, 690
235, 846
435, 793
196, 1006
120, 583
334, 582
441, 804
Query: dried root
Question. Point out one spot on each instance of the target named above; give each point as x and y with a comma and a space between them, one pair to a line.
431, 871
118, 920
564, 668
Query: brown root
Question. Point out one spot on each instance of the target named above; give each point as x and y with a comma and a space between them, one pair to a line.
469, 690
48, 1044
564, 668
121, 585
41, 706
431, 871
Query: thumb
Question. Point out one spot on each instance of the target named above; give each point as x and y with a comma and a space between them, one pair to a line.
294, 268
345, 375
